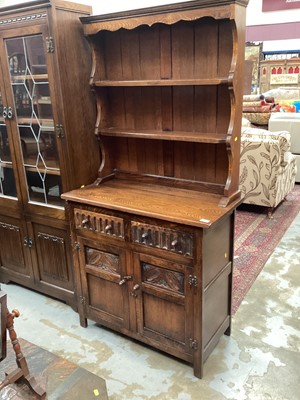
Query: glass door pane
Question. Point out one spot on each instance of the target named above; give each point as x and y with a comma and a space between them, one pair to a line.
30, 85
7, 178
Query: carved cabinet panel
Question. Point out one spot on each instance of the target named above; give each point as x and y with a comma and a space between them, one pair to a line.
53, 263
14, 248
164, 301
104, 282
37, 255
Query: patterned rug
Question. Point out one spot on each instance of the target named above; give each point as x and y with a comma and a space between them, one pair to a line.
256, 237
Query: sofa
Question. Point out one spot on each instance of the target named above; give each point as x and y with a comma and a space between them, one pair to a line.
291, 123
267, 167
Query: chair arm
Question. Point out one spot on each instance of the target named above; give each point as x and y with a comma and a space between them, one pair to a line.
282, 137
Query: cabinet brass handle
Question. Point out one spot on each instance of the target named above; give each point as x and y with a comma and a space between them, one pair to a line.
28, 242
108, 228
174, 243
145, 237
4, 112
9, 113
85, 222
135, 288
125, 279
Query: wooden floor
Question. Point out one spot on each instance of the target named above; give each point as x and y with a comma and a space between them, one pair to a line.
61, 379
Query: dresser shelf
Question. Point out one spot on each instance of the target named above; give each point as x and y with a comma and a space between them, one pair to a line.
164, 82
195, 137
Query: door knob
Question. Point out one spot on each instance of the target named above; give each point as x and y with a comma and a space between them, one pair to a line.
9, 113
4, 112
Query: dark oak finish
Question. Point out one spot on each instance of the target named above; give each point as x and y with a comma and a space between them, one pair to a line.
47, 144
153, 236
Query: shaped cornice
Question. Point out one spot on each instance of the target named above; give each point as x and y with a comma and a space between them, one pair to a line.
167, 14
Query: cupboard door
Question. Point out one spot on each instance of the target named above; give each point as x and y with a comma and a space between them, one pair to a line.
164, 301
33, 120
104, 282
52, 251
14, 249
7, 176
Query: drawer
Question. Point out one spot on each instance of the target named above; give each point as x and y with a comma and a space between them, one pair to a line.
99, 223
162, 238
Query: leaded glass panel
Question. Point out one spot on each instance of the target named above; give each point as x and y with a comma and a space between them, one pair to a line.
30, 85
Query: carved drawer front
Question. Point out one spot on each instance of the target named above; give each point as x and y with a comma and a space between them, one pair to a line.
99, 223
162, 238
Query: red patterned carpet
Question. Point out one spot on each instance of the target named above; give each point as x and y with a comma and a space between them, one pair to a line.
256, 237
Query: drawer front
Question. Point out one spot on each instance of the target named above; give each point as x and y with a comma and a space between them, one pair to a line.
162, 238
99, 223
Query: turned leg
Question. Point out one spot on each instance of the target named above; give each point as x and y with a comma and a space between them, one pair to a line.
270, 212
22, 370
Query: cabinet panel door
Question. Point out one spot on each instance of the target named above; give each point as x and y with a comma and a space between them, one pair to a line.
27, 70
105, 283
164, 301
14, 255
53, 264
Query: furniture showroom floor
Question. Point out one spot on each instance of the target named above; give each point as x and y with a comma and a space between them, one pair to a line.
259, 361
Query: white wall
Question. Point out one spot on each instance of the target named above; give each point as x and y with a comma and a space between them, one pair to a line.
255, 16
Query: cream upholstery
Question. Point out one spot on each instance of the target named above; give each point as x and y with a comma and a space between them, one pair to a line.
291, 123
267, 167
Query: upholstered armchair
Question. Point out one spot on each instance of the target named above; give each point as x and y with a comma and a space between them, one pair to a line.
267, 168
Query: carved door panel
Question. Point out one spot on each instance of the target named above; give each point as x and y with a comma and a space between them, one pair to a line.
52, 262
164, 300
14, 248
104, 282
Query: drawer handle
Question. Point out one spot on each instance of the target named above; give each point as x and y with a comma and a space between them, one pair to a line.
174, 244
144, 237
85, 222
108, 228
135, 288
125, 279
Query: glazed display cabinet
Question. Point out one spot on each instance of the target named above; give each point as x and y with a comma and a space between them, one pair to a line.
46, 140
154, 235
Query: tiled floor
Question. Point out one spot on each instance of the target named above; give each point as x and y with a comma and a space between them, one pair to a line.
259, 361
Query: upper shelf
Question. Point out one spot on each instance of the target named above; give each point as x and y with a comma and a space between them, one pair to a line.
46, 124
195, 137
163, 82
36, 77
